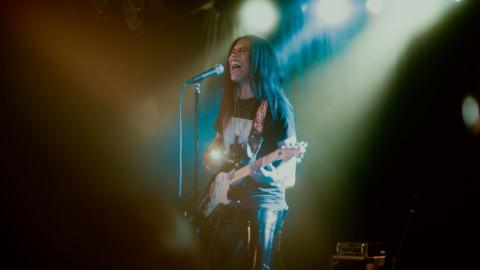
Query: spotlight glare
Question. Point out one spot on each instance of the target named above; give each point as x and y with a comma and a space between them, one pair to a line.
333, 12
470, 112
375, 6
215, 154
259, 16
304, 7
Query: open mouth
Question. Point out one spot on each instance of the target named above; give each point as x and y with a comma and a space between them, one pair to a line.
235, 66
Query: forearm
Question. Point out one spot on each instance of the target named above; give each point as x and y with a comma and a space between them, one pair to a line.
286, 173
286, 170
282, 174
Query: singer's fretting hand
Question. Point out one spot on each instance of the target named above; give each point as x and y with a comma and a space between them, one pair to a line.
266, 174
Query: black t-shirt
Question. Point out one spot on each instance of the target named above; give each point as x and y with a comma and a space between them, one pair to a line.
238, 123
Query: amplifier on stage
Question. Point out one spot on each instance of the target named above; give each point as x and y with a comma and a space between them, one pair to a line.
365, 249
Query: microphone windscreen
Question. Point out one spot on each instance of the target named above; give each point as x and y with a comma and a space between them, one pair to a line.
219, 69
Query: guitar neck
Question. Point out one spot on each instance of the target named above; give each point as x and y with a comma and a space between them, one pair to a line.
248, 169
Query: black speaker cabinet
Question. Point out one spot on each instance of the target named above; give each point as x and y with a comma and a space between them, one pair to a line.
345, 262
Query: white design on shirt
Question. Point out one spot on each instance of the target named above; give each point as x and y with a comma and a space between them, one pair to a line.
237, 126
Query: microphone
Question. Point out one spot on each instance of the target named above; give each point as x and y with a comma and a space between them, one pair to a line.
215, 71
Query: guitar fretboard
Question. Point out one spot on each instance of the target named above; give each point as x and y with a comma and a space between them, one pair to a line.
247, 170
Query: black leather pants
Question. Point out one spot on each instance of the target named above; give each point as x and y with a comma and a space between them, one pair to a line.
246, 240
266, 228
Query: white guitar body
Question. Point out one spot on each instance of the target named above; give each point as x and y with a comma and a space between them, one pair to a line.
218, 193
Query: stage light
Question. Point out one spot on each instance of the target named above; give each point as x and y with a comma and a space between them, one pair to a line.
375, 6
215, 154
470, 112
259, 16
304, 7
345, 90
332, 12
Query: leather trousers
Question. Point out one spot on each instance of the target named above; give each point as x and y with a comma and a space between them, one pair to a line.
266, 228
246, 240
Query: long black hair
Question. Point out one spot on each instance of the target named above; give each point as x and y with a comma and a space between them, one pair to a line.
265, 76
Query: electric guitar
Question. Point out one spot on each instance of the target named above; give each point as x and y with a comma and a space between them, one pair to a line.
217, 193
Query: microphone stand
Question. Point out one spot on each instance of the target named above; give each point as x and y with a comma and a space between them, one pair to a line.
217, 70
196, 147
196, 83
411, 212
197, 87
196, 142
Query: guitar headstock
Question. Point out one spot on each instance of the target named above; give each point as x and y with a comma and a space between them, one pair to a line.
294, 150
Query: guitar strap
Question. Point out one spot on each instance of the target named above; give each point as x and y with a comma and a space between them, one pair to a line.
260, 117
255, 139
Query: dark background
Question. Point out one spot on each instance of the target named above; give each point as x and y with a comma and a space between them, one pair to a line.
78, 190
